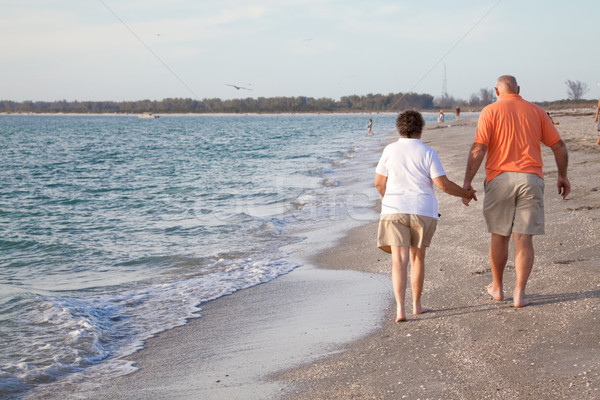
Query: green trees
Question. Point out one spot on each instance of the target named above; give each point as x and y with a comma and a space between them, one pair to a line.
391, 102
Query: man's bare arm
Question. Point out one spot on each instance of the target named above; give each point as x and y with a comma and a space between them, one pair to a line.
476, 156
561, 156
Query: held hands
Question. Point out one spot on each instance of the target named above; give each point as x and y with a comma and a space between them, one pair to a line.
471, 194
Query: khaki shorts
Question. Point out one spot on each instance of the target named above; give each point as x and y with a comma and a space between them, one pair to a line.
514, 203
405, 230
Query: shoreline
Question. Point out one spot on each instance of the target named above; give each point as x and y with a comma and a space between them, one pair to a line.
330, 321
239, 340
317, 331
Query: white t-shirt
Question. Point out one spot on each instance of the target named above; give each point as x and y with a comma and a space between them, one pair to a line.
410, 167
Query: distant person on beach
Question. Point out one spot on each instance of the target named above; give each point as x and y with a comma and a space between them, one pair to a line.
550, 116
441, 115
457, 112
369, 128
404, 178
510, 132
596, 120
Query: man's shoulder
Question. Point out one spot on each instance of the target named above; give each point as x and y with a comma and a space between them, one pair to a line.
488, 111
531, 110
536, 107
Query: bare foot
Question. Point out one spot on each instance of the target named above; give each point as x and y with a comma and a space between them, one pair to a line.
519, 300
598, 141
419, 310
400, 314
496, 293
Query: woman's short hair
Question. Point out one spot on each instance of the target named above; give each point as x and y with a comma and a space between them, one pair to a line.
410, 124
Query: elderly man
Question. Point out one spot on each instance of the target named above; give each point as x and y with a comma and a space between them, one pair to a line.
510, 132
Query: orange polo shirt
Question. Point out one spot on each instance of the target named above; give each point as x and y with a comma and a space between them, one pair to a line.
512, 129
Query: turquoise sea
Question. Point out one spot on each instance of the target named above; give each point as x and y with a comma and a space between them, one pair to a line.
114, 228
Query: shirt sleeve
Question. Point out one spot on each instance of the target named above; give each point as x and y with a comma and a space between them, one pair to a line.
381, 165
482, 133
436, 169
550, 135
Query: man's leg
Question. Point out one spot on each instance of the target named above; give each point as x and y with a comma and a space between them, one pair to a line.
498, 257
417, 277
400, 256
524, 256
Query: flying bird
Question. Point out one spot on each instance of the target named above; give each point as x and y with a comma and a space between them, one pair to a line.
238, 87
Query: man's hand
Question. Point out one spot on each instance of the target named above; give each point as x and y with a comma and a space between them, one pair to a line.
562, 161
476, 156
564, 186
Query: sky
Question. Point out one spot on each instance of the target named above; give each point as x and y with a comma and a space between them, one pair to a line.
120, 50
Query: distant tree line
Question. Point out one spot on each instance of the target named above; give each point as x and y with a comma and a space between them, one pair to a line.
370, 102
392, 102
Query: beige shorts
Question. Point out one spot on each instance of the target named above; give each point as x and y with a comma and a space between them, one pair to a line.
405, 230
514, 203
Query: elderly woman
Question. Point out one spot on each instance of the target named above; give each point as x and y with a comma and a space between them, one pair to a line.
404, 178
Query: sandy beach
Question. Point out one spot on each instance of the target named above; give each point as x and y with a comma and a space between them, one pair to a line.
326, 330
471, 347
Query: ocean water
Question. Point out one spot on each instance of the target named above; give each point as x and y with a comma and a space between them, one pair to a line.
114, 228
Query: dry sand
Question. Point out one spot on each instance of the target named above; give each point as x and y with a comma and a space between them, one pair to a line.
469, 346
334, 324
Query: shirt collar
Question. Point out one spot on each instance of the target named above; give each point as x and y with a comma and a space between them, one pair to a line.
510, 96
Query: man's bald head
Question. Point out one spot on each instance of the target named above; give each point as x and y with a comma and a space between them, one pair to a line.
507, 84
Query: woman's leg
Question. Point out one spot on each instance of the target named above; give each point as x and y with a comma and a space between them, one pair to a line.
400, 257
417, 277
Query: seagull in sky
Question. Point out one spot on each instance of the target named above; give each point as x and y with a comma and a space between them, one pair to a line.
237, 87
